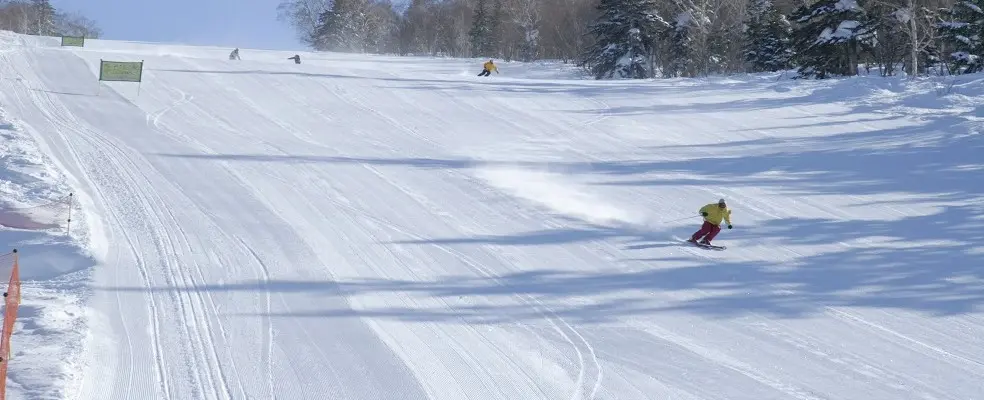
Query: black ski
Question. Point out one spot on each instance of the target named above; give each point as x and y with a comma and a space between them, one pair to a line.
707, 246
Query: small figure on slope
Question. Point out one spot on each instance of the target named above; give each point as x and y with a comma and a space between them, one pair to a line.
234, 55
487, 69
296, 58
713, 214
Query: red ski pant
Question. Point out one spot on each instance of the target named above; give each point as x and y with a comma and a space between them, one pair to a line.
707, 231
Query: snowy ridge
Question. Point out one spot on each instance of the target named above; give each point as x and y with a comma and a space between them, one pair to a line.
372, 227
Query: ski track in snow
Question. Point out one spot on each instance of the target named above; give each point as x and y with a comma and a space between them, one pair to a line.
343, 229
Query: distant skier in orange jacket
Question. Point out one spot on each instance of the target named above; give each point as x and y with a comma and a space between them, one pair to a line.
487, 69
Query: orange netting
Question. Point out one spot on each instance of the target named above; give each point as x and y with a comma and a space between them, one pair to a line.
56, 214
11, 297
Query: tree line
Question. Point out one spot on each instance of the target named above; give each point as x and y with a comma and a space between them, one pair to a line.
502, 29
39, 17
651, 38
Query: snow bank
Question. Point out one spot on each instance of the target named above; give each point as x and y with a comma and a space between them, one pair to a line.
54, 267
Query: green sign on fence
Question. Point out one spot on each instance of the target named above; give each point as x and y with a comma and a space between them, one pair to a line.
77, 41
120, 71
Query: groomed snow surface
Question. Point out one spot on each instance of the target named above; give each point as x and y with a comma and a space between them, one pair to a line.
366, 227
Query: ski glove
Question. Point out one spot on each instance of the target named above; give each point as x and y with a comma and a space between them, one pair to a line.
729, 226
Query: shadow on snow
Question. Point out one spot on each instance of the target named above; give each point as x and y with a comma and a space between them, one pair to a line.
921, 263
895, 272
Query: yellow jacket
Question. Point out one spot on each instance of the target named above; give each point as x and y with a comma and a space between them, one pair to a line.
715, 214
490, 67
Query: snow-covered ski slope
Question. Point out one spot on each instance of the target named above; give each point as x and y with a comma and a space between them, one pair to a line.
364, 227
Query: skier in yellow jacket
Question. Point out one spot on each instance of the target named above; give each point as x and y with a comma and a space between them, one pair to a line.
487, 69
713, 214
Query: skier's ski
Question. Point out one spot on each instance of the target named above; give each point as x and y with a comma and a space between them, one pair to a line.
707, 246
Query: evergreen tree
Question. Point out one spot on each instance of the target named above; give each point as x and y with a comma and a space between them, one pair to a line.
339, 27
626, 36
531, 43
45, 14
723, 40
889, 23
480, 31
830, 37
380, 27
495, 27
328, 35
634, 63
767, 38
964, 33
529, 20
697, 43
485, 35
681, 46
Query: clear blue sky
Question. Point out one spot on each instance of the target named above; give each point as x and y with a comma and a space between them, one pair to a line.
233, 23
